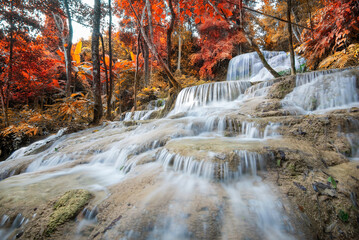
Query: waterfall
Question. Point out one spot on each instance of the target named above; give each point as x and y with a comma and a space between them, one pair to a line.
325, 90
203, 172
8, 228
258, 90
211, 93
247, 163
145, 114
249, 66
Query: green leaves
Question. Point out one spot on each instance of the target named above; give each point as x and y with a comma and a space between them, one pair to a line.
332, 181
343, 216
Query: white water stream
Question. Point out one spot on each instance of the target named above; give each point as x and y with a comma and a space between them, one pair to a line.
249, 66
204, 167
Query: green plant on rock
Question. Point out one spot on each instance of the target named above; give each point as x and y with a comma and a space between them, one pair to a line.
332, 181
67, 208
343, 216
302, 68
284, 72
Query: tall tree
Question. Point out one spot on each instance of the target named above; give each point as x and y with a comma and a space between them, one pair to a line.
292, 56
98, 111
135, 82
20, 18
154, 51
169, 33
68, 49
109, 94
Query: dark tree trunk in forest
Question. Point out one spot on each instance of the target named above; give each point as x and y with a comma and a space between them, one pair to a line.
292, 56
104, 63
96, 63
5, 94
135, 83
154, 52
149, 14
169, 34
146, 57
3, 104
68, 50
109, 94
179, 45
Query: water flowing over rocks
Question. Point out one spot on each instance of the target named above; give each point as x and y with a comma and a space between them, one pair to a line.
249, 66
233, 160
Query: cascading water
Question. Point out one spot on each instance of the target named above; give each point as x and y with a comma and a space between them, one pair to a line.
145, 114
323, 91
207, 94
249, 67
197, 174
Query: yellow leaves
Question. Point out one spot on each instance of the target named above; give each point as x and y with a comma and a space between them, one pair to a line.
342, 59
146, 90
39, 117
133, 56
76, 107
22, 128
78, 48
77, 94
123, 65
107, 60
76, 53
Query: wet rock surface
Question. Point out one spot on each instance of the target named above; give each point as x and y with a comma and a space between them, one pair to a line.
235, 170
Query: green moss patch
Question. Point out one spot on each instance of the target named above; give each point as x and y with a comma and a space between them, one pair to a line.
67, 208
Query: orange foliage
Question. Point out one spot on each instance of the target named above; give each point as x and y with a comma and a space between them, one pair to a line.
336, 26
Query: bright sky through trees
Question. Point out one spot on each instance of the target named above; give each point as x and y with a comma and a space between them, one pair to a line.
81, 31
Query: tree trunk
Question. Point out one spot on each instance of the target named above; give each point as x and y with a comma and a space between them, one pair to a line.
146, 57
310, 17
68, 50
104, 63
3, 104
5, 91
154, 52
179, 52
96, 63
179, 44
60, 26
296, 29
136, 73
149, 13
169, 34
119, 109
109, 94
292, 56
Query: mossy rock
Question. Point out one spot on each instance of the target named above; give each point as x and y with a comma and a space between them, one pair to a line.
67, 208
280, 89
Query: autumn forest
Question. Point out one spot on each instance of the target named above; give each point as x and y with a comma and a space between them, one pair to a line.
169, 65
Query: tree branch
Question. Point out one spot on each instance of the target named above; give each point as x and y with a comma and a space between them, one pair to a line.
267, 15
152, 48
